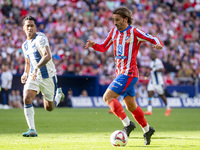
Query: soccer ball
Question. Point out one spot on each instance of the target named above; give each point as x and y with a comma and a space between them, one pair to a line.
119, 138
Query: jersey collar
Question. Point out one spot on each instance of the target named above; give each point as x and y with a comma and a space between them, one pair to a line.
125, 29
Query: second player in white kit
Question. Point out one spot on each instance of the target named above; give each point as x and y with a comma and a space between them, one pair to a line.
39, 74
156, 83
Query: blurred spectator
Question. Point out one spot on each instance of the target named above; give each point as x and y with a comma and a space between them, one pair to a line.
84, 93
6, 84
15, 99
67, 100
68, 24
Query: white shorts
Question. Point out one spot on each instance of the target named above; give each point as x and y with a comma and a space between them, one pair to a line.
47, 87
159, 88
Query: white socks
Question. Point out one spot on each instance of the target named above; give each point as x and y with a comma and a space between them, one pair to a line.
167, 107
57, 98
149, 108
29, 114
126, 121
146, 129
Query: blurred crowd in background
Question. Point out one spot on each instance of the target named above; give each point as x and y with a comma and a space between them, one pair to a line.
69, 23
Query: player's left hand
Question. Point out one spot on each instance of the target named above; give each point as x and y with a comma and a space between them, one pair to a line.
158, 46
34, 75
89, 44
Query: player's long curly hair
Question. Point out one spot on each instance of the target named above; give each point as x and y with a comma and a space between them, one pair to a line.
124, 12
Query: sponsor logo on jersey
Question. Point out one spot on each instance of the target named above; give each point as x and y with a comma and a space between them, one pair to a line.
120, 57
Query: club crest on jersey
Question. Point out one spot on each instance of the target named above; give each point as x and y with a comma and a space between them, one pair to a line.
26, 46
119, 49
127, 38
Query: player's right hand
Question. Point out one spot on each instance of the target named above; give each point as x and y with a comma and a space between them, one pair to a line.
24, 78
89, 44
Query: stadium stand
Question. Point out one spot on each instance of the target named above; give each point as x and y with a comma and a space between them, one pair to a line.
69, 23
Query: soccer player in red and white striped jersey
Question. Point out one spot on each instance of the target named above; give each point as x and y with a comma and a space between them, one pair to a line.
126, 40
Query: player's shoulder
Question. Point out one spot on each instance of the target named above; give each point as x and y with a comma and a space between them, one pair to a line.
158, 60
40, 35
138, 30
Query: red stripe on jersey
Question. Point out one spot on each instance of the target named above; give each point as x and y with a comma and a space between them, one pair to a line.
115, 47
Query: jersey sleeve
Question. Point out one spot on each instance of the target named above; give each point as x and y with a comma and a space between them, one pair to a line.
106, 44
42, 42
159, 64
142, 36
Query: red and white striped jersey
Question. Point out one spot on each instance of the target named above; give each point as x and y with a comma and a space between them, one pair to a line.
126, 53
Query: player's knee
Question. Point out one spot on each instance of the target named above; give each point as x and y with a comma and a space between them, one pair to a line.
131, 108
49, 108
28, 99
106, 98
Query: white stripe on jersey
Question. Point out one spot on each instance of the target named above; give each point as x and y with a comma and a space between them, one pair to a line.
123, 50
148, 36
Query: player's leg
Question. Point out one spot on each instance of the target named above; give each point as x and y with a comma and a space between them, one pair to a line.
31, 89
110, 98
168, 109
161, 93
138, 114
28, 98
149, 107
111, 95
150, 89
52, 95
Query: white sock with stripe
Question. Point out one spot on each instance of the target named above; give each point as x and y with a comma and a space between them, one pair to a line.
126, 121
29, 114
146, 129
57, 98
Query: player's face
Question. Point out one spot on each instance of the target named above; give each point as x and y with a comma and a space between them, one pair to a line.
120, 23
30, 29
153, 56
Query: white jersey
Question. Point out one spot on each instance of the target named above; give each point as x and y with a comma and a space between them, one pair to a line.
156, 77
32, 50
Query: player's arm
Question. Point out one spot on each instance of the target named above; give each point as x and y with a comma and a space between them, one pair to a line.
43, 61
101, 47
26, 71
157, 70
45, 57
142, 36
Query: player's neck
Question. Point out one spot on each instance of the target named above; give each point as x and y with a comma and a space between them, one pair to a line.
125, 27
30, 38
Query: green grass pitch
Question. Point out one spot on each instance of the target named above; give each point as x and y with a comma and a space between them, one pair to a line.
90, 129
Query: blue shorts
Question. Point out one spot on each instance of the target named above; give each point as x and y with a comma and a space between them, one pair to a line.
124, 85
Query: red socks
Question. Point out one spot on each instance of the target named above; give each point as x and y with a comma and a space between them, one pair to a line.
139, 117
117, 108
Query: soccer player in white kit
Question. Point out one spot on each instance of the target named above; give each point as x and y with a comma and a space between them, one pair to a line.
156, 83
39, 74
